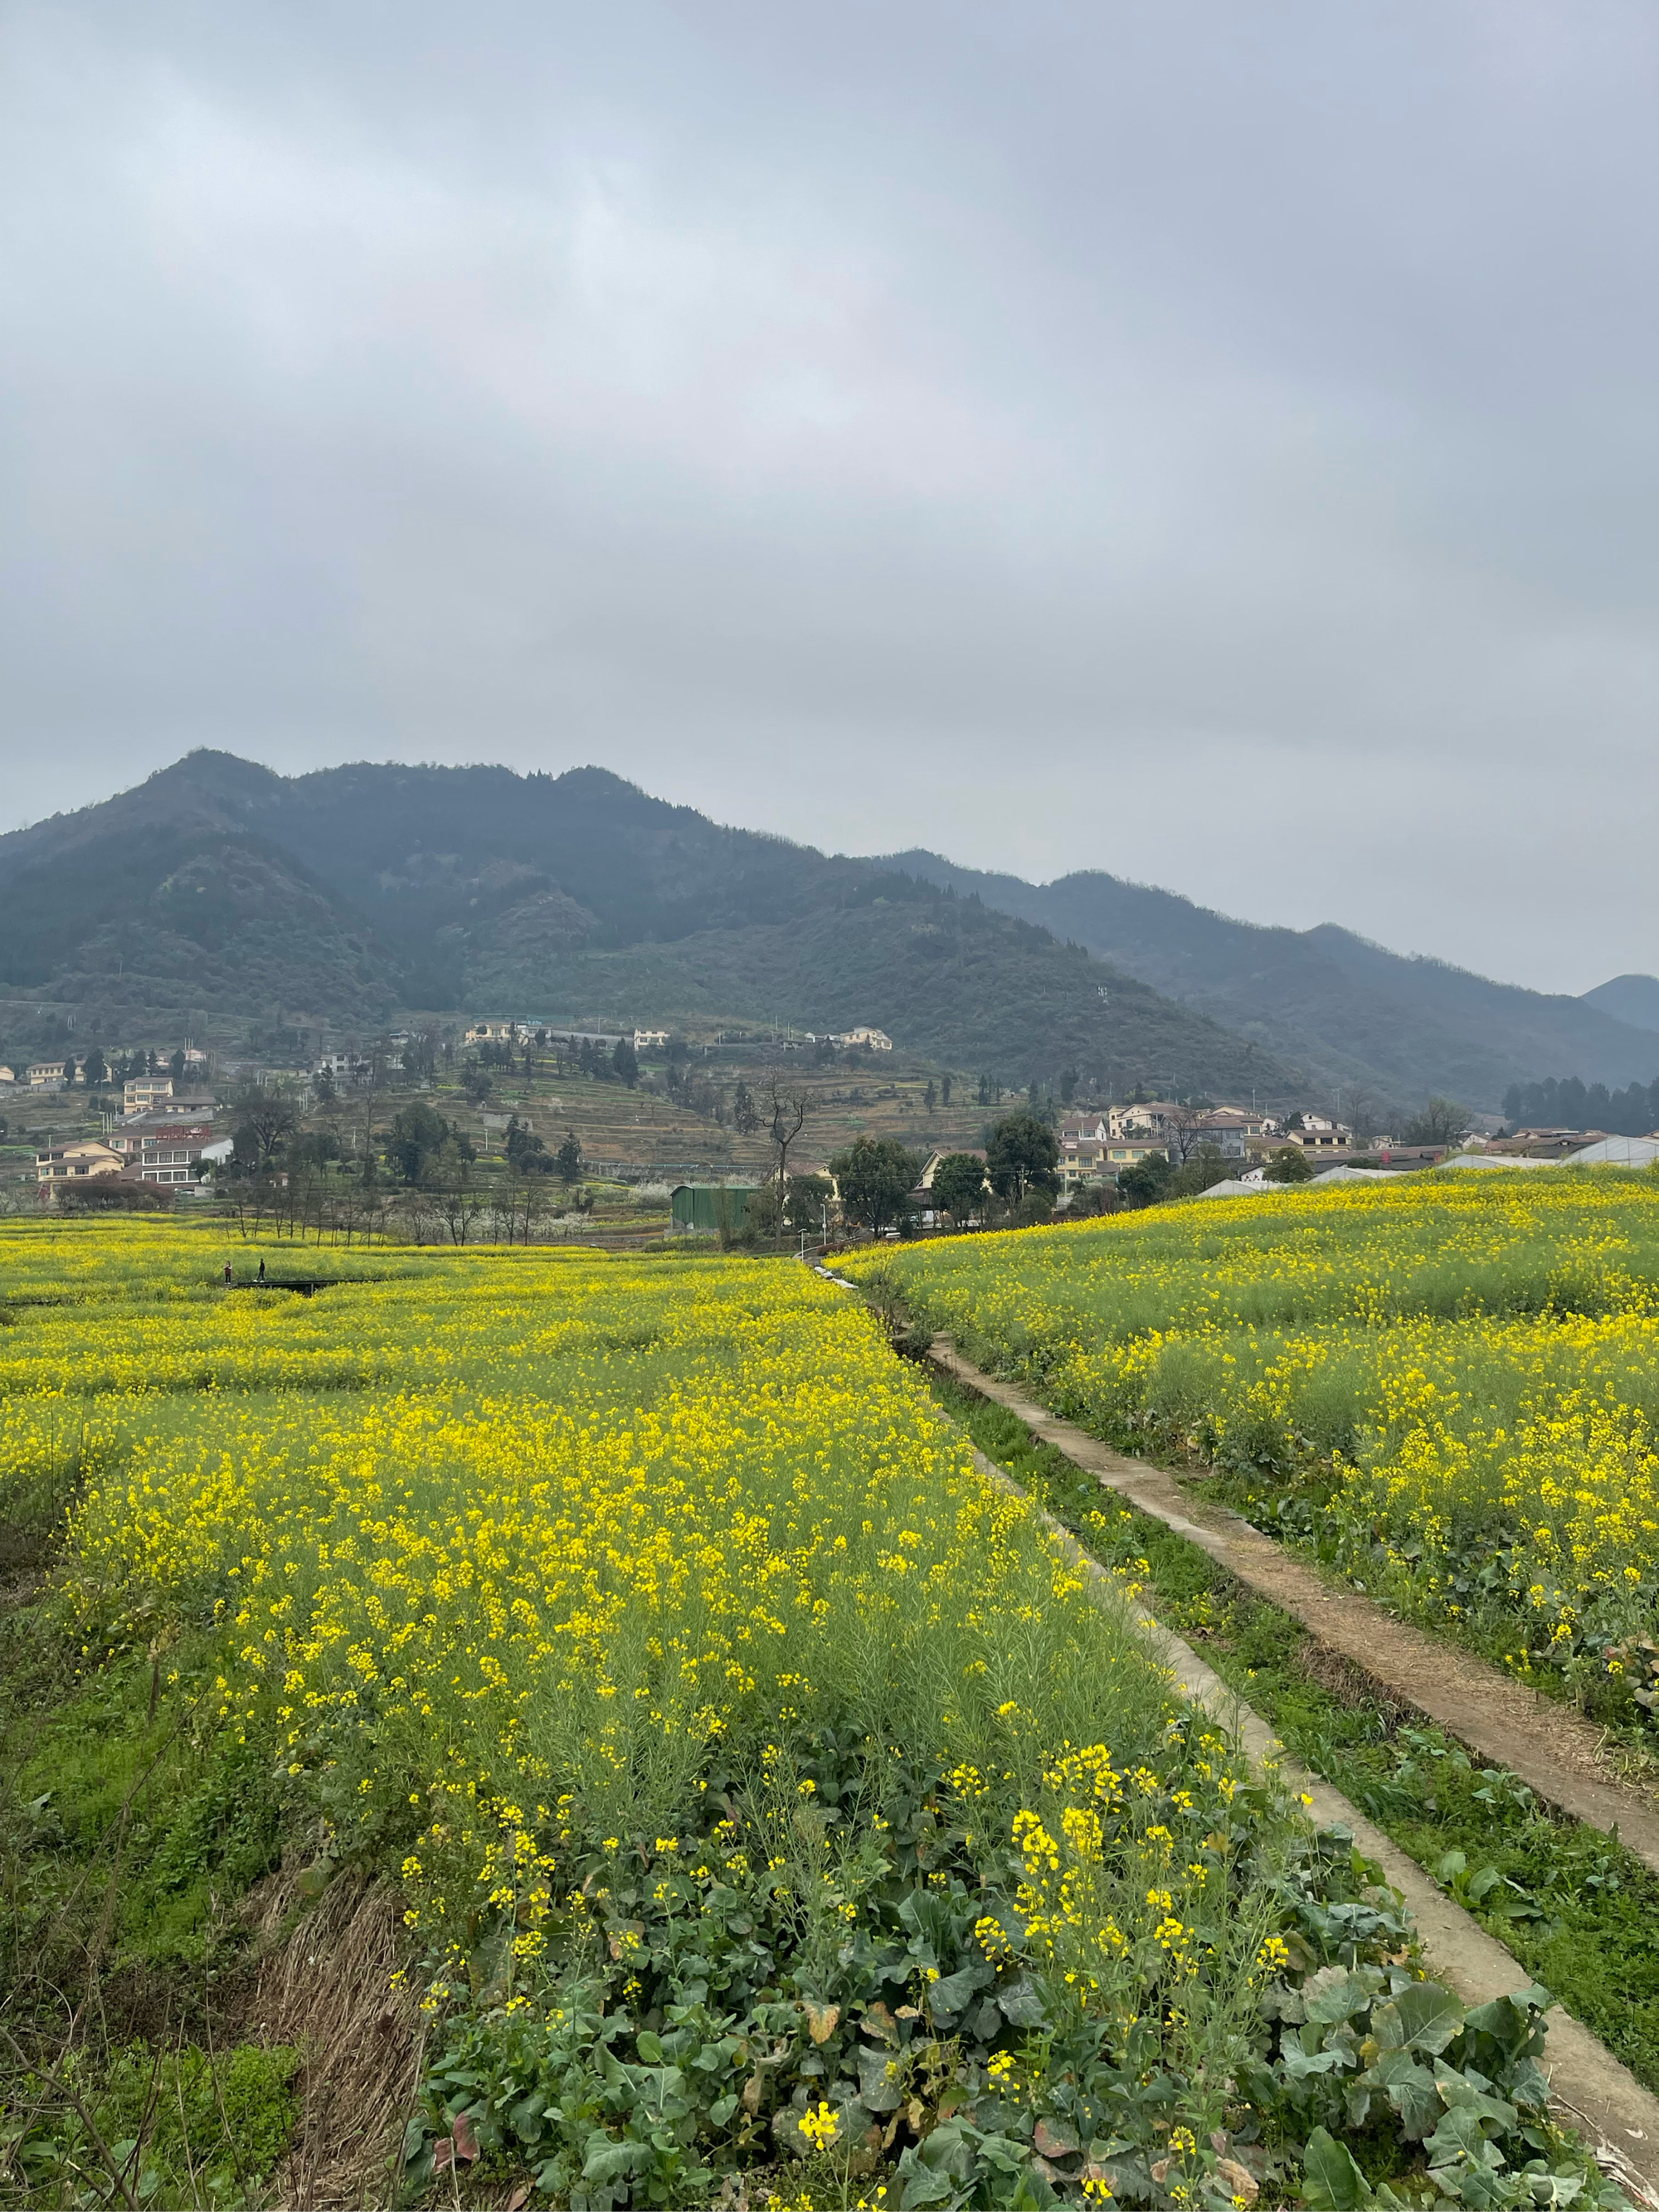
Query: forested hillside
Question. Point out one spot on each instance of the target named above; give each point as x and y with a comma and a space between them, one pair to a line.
349, 894
1355, 1015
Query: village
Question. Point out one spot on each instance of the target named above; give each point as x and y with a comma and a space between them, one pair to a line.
650, 1109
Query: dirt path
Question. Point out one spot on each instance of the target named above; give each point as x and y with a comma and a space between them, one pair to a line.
1554, 1749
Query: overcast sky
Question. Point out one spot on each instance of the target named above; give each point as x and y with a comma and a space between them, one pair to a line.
1215, 444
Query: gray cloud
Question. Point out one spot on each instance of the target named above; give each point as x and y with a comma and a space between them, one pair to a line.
1213, 445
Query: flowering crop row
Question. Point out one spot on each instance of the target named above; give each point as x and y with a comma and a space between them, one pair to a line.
762, 1781
1452, 1384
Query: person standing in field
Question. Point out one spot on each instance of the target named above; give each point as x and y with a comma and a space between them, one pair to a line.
262, 1274
227, 1275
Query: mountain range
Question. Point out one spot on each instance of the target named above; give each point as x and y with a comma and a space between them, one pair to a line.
342, 896
1354, 1015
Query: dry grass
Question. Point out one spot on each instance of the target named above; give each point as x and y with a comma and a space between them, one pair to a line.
326, 1987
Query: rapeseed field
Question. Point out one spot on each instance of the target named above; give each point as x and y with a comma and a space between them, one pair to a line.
1450, 1385
774, 1809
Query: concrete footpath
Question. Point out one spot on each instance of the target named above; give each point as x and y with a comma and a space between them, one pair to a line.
1555, 1752
1554, 1749
1591, 2091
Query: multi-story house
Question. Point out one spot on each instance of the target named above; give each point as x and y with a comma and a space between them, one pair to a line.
88, 1155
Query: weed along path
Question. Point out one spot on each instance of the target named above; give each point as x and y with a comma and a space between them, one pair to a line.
1551, 1749
1589, 2087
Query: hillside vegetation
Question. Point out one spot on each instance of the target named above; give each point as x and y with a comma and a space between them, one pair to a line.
349, 893
1354, 1014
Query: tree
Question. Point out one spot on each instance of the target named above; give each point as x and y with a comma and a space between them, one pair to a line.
806, 1199
1442, 1121
1207, 1167
520, 1206
1023, 1155
763, 1220
959, 1186
1069, 1083
744, 1120
929, 1095
944, 1089
457, 1192
269, 1120
568, 1160
68, 1068
783, 1108
177, 1065
1089, 1198
1289, 1163
96, 1070
625, 1061
527, 1155
416, 1138
1143, 1183
875, 1177
1183, 1128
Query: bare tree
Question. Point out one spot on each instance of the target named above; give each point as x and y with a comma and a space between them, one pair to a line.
1184, 1128
458, 1196
782, 1107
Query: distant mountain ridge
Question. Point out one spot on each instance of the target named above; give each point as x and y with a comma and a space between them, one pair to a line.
1355, 1016
1631, 999
355, 890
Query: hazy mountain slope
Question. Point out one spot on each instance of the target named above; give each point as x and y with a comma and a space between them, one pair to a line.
477, 888
204, 790
1631, 999
1351, 1013
151, 916
947, 976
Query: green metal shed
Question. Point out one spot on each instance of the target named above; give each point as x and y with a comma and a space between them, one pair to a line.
713, 1208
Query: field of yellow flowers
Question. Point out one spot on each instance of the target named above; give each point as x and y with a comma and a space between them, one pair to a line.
1451, 1385
764, 1790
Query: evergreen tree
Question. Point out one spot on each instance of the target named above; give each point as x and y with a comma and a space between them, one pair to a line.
1023, 1156
875, 1177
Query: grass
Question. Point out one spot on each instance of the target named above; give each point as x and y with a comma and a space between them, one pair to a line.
1578, 1910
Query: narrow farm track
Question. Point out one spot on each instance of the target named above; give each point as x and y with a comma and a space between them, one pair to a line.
1554, 1750
1591, 2090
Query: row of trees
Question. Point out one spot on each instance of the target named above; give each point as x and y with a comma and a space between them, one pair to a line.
94, 1071
877, 1177
460, 1208
1568, 1104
